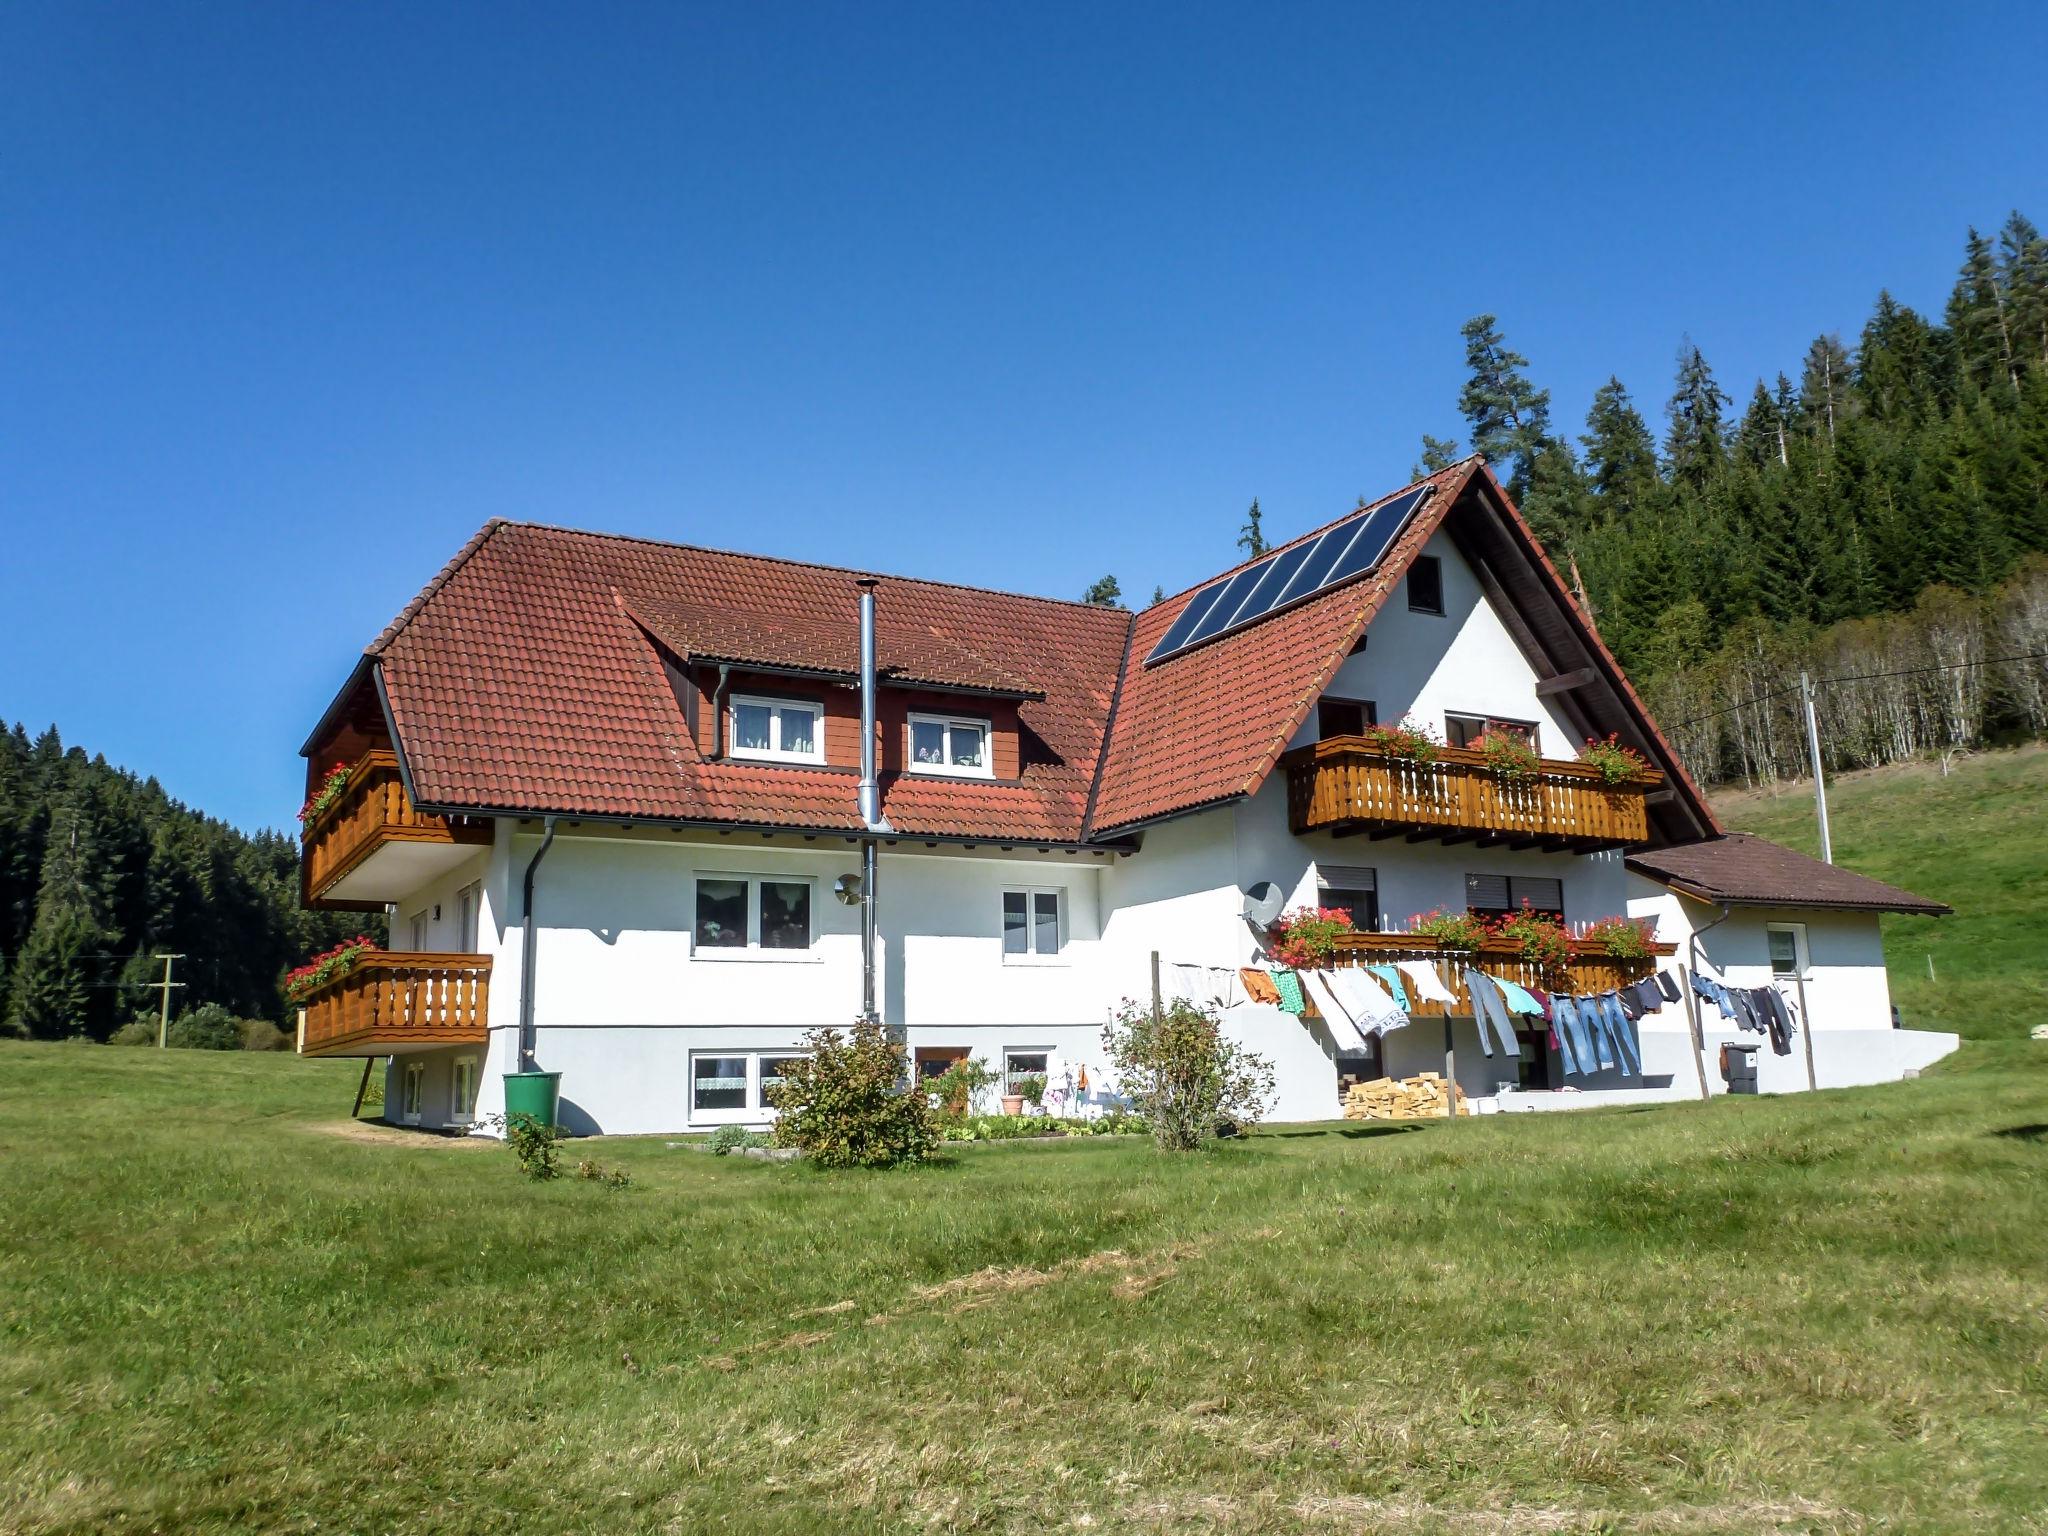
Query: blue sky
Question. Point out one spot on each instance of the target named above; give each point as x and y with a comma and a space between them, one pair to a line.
293, 298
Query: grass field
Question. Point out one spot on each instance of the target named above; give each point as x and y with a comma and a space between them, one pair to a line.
1976, 839
227, 1309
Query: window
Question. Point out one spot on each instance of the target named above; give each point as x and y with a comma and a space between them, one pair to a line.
1543, 894
1353, 888
1788, 948
419, 932
728, 1086
464, 1095
1033, 924
751, 912
415, 1092
943, 744
1018, 1065
1344, 717
777, 730
468, 906
1464, 730
1426, 585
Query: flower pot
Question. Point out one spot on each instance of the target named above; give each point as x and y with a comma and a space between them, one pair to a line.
1013, 1103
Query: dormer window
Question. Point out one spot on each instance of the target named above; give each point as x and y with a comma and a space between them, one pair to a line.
777, 730
948, 744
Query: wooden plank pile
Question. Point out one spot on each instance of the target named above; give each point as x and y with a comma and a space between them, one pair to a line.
1403, 1098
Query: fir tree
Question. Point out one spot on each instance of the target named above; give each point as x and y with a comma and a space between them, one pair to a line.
2023, 276
1978, 320
1508, 416
1251, 538
1104, 593
1621, 456
1693, 448
1824, 386
1438, 453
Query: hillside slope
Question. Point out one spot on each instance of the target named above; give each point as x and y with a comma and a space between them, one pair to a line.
1976, 838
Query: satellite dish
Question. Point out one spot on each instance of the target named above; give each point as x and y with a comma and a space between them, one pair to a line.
847, 889
1262, 903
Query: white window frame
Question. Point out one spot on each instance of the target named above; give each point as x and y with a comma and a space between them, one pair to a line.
756, 1110
420, 929
412, 1091
469, 912
774, 752
460, 1113
950, 769
753, 949
1024, 1050
1800, 957
1034, 955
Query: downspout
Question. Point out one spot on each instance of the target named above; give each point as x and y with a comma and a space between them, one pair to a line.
528, 945
870, 805
718, 711
1692, 997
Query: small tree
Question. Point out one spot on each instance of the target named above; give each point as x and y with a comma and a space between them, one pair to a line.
847, 1104
1185, 1077
1104, 593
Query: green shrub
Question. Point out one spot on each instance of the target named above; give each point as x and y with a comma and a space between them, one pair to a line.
1187, 1080
1032, 1089
847, 1104
730, 1138
535, 1143
960, 1085
262, 1035
603, 1173
208, 1027
140, 1030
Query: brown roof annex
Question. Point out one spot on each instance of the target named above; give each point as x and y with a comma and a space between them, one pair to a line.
1742, 870
528, 677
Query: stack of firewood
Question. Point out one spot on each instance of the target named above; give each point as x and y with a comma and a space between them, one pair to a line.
1403, 1098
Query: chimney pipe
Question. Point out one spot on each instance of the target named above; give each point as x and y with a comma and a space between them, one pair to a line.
870, 805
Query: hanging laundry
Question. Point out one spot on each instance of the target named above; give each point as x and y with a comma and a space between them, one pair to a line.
1289, 987
1429, 986
1258, 986
1574, 1035
1649, 996
1368, 1002
1392, 978
1668, 985
1518, 997
1343, 1027
1490, 1010
1628, 1051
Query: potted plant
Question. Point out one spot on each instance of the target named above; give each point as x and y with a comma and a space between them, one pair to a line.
309, 978
1614, 762
1013, 1103
1407, 738
1621, 937
1540, 940
1459, 932
1508, 753
329, 791
1306, 938
1032, 1090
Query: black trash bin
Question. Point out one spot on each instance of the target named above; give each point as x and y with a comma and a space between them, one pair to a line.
1738, 1067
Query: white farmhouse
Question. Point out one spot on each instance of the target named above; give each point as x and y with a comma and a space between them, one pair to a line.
610, 792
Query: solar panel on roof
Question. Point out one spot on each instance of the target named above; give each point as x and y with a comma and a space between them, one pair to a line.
1348, 549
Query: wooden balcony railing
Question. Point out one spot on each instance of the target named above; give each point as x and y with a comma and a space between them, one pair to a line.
1589, 969
1347, 784
387, 1002
373, 812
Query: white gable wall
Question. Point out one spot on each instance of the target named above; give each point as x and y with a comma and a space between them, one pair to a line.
1464, 662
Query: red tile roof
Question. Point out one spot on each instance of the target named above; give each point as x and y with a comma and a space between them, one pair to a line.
520, 680
1747, 871
523, 679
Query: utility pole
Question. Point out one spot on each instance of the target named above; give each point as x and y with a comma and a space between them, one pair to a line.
1820, 786
163, 1021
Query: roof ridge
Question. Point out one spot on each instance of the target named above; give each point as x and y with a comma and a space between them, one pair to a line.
810, 565
441, 578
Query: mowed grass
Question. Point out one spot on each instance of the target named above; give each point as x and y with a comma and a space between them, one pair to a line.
1977, 839
227, 1309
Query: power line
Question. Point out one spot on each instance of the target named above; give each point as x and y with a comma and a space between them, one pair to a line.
1858, 677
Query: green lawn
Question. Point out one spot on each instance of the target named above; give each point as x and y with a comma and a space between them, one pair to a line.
1976, 839
226, 1309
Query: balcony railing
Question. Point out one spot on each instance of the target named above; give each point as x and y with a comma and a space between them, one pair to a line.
1347, 784
373, 813
387, 1003
1589, 968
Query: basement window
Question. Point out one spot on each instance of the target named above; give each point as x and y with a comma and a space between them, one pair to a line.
464, 1094
728, 1087
949, 744
414, 1092
777, 730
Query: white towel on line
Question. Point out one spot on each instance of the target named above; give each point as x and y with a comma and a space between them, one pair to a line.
1422, 976
1343, 1028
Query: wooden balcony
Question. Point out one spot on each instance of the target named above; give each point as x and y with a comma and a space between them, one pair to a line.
1589, 969
389, 1004
1348, 785
372, 846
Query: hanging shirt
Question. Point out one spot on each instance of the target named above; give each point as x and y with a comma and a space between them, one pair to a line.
1518, 997
1429, 986
1289, 987
1668, 985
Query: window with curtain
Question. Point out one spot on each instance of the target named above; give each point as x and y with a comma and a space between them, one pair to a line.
950, 744
752, 912
776, 730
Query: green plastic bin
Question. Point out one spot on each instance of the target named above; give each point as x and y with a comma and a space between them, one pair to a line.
538, 1094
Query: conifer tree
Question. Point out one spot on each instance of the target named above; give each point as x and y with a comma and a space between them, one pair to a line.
1693, 448
1509, 417
1824, 386
1104, 593
1251, 538
1438, 453
1621, 456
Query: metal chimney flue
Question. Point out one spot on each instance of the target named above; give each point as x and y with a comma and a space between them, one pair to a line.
870, 805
